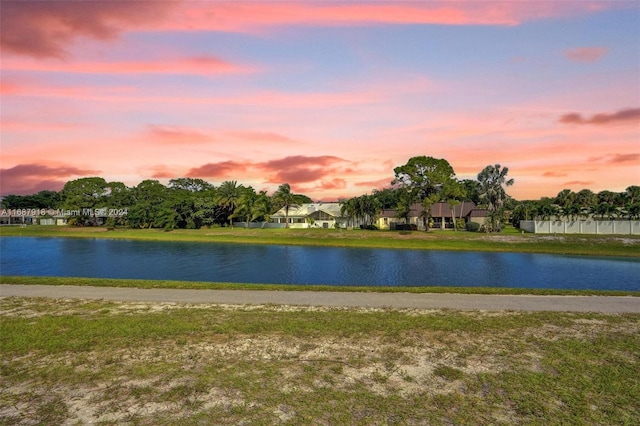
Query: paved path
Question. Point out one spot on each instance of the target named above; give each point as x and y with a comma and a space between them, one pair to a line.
603, 304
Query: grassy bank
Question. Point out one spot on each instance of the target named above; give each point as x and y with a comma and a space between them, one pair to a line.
80, 362
509, 241
204, 285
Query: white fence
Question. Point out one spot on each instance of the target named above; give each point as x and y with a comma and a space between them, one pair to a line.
601, 227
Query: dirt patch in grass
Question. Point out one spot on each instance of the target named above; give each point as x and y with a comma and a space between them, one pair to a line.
436, 367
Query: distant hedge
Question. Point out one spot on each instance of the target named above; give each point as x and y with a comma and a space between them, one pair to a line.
473, 226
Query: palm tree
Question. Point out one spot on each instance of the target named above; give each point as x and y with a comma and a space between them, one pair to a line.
369, 207
633, 210
604, 209
262, 208
286, 199
546, 210
565, 198
348, 208
586, 198
632, 194
491, 180
228, 196
571, 211
246, 203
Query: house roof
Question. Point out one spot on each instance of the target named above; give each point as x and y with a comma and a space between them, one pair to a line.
305, 210
388, 213
479, 212
443, 209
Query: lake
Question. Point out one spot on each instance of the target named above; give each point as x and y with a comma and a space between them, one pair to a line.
186, 261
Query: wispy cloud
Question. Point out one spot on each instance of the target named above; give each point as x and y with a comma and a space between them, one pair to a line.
252, 16
631, 115
554, 174
205, 65
162, 171
220, 170
26, 179
257, 136
47, 29
586, 54
579, 183
176, 135
294, 170
616, 158
624, 158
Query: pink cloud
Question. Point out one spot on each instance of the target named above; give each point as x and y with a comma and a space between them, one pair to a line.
554, 174
243, 16
624, 158
223, 169
176, 135
297, 161
293, 170
201, 65
631, 115
45, 29
162, 172
25, 179
300, 169
336, 183
270, 99
253, 136
586, 54
616, 158
580, 183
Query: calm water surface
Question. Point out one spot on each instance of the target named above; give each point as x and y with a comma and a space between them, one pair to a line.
310, 265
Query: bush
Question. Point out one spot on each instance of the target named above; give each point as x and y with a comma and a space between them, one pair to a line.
406, 227
473, 226
369, 227
110, 224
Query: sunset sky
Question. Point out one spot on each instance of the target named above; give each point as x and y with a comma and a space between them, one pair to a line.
326, 96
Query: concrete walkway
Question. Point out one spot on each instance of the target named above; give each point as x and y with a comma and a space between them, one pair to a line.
602, 304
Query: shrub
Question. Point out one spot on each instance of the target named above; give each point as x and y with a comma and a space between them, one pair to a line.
110, 224
406, 227
473, 226
369, 227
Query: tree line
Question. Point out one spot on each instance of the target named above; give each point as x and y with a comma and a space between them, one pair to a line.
185, 203
423, 181
584, 204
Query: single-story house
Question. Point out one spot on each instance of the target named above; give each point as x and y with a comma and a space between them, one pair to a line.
441, 214
478, 216
311, 215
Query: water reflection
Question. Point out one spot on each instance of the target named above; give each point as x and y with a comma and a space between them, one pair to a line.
310, 265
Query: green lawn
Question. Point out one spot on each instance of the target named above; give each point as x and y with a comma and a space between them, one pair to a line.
81, 362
